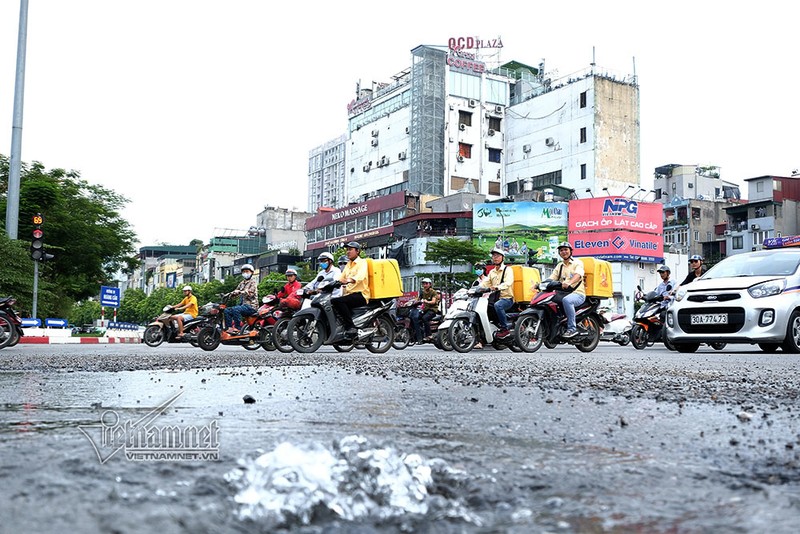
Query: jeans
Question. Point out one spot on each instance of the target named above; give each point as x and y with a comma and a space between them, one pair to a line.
421, 321
234, 314
501, 306
570, 302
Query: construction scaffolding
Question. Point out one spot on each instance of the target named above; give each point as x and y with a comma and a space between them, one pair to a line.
427, 144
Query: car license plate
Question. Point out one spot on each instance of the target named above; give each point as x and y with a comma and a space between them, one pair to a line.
710, 318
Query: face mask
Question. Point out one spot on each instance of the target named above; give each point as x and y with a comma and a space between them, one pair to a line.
246, 276
324, 264
478, 271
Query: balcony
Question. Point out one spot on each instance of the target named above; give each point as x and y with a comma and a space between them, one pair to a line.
679, 221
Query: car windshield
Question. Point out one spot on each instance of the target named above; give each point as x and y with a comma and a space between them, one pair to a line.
774, 264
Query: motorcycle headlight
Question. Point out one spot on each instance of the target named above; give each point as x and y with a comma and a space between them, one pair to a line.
767, 289
680, 294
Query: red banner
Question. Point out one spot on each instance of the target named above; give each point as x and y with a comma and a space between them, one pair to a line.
619, 245
615, 213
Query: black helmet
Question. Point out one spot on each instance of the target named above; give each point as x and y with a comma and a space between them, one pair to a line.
343, 259
663, 268
353, 244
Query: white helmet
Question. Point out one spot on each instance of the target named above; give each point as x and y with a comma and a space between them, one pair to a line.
325, 256
426, 281
499, 251
290, 271
247, 267
187, 288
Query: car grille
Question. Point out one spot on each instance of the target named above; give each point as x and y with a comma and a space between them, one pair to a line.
735, 321
714, 298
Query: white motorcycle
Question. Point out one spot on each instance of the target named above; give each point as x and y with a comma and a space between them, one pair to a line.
460, 303
616, 327
473, 325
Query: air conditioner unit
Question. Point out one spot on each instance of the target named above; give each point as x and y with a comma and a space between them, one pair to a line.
401, 155
549, 141
498, 109
462, 126
374, 142
452, 107
727, 232
384, 160
526, 148
375, 133
755, 227
366, 168
490, 132
407, 129
472, 103
460, 158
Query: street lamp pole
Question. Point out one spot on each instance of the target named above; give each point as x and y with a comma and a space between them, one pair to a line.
15, 166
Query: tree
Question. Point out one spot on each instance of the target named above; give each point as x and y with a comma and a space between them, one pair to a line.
449, 251
83, 230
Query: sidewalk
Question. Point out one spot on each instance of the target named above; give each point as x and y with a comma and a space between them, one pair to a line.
52, 336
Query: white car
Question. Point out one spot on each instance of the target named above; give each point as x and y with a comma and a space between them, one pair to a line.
747, 298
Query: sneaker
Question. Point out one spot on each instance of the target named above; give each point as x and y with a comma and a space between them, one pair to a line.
569, 334
351, 333
503, 333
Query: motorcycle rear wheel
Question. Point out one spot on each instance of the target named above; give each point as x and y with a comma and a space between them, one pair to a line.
344, 346
638, 337
267, 343
153, 335
208, 338
444, 341
7, 331
383, 338
462, 335
528, 333
304, 333
280, 336
402, 337
593, 338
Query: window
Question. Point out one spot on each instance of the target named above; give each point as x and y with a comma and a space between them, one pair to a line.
372, 221
465, 150
340, 229
583, 135
760, 186
361, 224
494, 155
465, 117
696, 235
583, 171
738, 242
457, 183
350, 227
708, 236
658, 194
494, 123
583, 99
494, 188
386, 218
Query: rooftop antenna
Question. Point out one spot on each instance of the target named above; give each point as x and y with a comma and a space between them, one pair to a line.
592, 64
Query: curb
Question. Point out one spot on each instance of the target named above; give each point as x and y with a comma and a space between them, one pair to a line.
44, 340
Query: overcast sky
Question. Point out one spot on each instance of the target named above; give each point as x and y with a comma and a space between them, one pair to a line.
201, 113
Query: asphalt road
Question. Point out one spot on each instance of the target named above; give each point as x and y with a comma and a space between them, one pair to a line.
616, 440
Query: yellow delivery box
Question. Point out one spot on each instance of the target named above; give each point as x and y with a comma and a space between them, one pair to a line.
384, 279
597, 277
526, 281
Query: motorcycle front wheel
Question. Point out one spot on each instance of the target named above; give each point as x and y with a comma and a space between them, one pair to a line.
280, 336
153, 335
208, 338
382, 339
638, 337
593, 338
462, 335
528, 333
345, 346
305, 334
7, 330
402, 337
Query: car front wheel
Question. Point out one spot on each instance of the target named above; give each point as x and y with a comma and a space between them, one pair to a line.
792, 341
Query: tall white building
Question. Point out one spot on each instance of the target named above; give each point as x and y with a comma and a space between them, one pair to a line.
326, 175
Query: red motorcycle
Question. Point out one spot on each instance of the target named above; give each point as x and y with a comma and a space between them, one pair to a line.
254, 332
10, 323
544, 323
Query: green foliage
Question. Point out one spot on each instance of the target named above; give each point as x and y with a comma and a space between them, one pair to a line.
85, 312
16, 280
129, 308
450, 251
271, 284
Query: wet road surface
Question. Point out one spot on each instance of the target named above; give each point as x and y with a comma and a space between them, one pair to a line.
617, 440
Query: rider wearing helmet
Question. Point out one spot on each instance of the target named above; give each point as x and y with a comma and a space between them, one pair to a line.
421, 319
248, 303
665, 287
696, 269
328, 272
501, 279
189, 308
356, 288
569, 272
288, 294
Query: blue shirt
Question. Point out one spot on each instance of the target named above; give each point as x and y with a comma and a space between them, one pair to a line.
663, 289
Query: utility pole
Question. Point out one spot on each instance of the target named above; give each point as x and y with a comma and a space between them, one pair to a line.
12, 208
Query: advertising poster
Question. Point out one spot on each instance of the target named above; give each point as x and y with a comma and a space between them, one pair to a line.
615, 213
621, 245
522, 229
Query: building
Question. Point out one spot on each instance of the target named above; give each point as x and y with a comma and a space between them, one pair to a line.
326, 175
162, 265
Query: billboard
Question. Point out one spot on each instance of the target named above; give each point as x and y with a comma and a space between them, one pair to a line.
615, 213
621, 245
522, 229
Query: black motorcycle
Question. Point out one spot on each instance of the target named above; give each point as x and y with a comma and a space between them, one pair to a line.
10, 323
543, 323
319, 324
164, 329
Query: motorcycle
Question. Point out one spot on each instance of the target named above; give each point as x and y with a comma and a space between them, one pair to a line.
404, 326
616, 327
10, 323
282, 316
254, 332
319, 324
461, 301
648, 324
475, 324
543, 323
163, 328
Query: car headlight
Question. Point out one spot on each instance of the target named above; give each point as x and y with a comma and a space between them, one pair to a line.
767, 289
680, 294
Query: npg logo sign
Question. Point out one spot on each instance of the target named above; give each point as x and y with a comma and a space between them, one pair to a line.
620, 206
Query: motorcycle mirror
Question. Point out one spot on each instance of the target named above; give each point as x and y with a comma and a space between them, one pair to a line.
320, 278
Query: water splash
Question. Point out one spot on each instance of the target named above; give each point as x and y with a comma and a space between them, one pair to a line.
351, 480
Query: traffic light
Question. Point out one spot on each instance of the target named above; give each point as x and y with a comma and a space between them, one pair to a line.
37, 241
